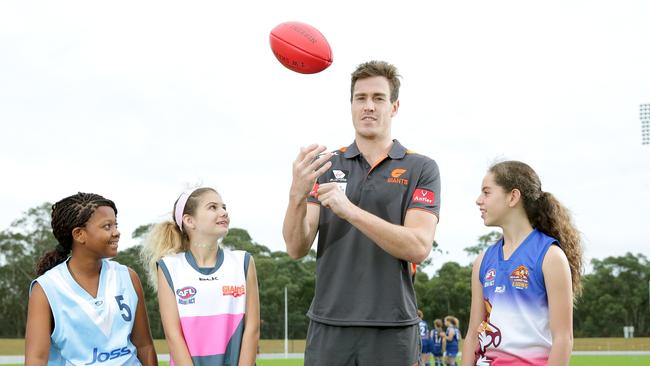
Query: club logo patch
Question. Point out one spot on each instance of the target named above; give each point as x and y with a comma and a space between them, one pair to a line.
519, 278
186, 295
395, 177
234, 291
488, 280
423, 196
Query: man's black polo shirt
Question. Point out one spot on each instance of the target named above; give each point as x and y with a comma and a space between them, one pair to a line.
357, 282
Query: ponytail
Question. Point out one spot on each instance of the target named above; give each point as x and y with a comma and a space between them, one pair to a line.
549, 216
453, 320
437, 324
51, 259
164, 239
544, 212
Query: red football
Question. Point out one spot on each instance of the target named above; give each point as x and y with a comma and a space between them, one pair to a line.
300, 47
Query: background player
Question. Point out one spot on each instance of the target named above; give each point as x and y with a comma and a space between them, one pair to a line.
452, 337
438, 343
425, 339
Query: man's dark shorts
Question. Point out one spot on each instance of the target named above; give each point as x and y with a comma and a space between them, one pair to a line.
329, 345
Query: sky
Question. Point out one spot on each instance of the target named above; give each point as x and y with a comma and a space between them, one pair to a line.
139, 100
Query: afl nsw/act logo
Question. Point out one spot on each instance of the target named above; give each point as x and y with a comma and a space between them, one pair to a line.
489, 277
186, 295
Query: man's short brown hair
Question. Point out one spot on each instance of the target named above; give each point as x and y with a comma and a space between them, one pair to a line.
378, 68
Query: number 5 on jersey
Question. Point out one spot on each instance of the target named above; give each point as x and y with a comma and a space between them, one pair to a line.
123, 307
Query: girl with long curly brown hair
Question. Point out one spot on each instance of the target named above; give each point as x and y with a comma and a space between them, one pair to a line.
524, 285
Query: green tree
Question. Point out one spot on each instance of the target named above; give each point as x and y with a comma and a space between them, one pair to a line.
131, 257
21, 245
448, 292
275, 272
614, 295
484, 241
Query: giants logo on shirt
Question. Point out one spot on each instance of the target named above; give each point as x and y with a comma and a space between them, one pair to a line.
234, 291
395, 177
423, 196
186, 295
489, 277
519, 278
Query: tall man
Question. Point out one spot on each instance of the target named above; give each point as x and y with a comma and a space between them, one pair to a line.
374, 205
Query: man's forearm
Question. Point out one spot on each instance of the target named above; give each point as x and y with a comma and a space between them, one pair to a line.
295, 229
409, 244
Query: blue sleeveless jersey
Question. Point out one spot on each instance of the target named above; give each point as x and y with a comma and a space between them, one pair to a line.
424, 329
516, 327
437, 341
453, 343
87, 330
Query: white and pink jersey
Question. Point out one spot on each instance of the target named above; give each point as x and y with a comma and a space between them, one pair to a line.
516, 328
211, 304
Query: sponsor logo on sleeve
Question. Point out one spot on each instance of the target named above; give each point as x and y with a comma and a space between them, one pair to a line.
423, 196
234, 291
519, 278
186, 295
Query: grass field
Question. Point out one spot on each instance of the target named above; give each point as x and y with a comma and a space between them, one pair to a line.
17, 347
575, 361
610, 360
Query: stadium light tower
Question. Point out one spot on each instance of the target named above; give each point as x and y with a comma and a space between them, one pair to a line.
644, 114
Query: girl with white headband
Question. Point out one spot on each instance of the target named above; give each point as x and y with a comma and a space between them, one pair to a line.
207, 294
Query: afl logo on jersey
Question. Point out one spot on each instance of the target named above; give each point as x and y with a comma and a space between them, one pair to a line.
186, 295
489, 277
